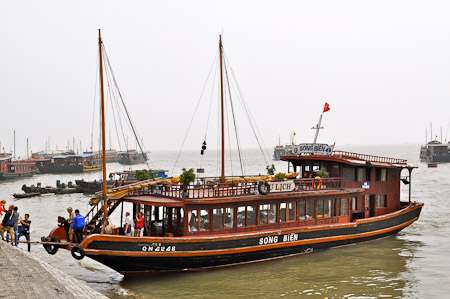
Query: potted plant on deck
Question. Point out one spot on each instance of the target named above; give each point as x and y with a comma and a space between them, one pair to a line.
186, 177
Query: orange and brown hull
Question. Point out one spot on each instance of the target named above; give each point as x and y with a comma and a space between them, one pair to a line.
130, 254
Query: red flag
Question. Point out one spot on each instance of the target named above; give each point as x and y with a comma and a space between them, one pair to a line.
326, 108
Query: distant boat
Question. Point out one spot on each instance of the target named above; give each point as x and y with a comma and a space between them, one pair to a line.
76, 163
435, 151
132, 157
10, 169
112, 156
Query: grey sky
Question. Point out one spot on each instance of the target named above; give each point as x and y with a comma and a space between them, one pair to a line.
383, 66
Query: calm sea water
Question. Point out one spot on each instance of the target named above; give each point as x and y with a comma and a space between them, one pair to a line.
412, 264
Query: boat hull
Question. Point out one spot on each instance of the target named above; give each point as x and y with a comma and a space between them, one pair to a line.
17, 175
128, 254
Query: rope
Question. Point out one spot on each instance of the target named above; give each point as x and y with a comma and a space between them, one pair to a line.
248, 114
193, 116
234, 122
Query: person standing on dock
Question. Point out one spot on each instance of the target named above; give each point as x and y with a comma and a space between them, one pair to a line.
25, 230
16, 226
78, 225
2, 207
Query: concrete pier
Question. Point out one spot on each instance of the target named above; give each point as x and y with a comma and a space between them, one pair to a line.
24, 276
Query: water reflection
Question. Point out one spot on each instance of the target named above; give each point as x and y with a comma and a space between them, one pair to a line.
373, 269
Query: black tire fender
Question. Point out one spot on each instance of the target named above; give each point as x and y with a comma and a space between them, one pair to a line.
52, 248
77, 252
263, 188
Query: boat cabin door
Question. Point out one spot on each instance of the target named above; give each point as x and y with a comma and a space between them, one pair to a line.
372, 205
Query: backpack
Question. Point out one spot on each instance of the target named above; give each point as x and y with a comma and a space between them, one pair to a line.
10, 221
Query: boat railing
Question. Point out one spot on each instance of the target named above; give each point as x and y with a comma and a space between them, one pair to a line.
213, 190
369, 158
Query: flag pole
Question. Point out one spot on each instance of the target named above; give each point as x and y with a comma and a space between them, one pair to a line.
318, 127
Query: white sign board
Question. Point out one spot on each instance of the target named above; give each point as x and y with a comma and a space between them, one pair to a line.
284, 186
366, 185
312, 148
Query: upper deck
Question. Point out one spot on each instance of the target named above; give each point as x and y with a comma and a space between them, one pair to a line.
169, 194
348, 158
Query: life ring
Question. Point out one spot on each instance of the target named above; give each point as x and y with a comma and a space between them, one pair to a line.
51, 248
317, 183
77, 252
263, 190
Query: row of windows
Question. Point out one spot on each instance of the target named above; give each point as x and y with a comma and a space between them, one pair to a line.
247, 215
22, 167
362, 174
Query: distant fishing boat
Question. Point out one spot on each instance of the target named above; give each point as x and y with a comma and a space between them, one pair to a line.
231, 220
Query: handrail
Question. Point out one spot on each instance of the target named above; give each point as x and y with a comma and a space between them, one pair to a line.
230, 189
369, 158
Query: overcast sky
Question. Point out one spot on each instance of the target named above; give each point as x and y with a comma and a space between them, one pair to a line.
383, 66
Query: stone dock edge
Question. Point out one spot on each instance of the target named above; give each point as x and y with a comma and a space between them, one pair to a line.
41, 279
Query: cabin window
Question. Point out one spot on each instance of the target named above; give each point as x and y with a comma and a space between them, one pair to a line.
337, 207
273, 213
327, 211
267, 213
368, 174
241, 211
291, 211
218, 218
349, 174
229, 217
384, 175
310, 209
319, 208
380, 201
263, 214
324, 208
251, 215
287, 211
193, 220
335, 171
204, 220
246, 216
360, 174
283, 212
381, 174
301, 210
344, 207
354, 203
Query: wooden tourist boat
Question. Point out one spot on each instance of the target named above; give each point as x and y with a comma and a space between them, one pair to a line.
10, 169
75, 163
232, 220
132, 157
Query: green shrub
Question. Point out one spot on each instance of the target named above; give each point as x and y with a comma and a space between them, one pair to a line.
142, 175
280, 176
323, 173
270, 169
187, 176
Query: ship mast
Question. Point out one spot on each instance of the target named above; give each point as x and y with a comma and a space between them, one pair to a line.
105, 199
222, 177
